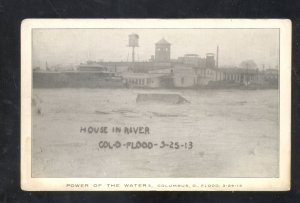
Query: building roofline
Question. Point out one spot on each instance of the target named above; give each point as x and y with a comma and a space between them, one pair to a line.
163, 42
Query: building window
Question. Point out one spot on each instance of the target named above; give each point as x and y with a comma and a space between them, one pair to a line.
182, 81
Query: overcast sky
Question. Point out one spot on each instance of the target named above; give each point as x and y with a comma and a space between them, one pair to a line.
72, 46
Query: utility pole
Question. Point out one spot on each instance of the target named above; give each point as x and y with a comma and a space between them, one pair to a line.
247, 75
133, 55
47, 68
217, 64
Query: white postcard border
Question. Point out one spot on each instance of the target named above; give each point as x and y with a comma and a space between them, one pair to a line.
161, 184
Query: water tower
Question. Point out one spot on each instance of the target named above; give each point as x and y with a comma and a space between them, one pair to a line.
133, 42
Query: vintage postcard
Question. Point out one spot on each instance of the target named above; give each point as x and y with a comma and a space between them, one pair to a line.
154, 104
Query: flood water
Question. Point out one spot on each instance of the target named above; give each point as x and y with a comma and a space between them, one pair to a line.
231, 133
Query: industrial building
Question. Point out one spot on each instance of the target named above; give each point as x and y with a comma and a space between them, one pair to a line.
188, 71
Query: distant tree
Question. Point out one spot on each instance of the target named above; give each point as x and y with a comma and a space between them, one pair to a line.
248, 64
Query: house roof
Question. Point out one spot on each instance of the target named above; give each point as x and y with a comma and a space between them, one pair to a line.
163, 41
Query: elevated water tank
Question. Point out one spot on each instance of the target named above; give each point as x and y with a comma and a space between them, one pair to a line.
133, 40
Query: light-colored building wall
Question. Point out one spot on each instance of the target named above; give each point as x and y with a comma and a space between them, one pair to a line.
184, 76
205, 75
142, 80
181, 80
191, 59
162, 71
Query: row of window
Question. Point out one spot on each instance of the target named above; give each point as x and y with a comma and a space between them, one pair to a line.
228, 76
162, 49
239, 77
141, 81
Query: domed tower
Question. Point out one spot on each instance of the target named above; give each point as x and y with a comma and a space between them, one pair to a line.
162, 51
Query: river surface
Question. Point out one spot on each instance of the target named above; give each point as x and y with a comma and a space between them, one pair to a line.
220, 133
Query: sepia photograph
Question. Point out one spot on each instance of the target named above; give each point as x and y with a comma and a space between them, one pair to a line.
156, 105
